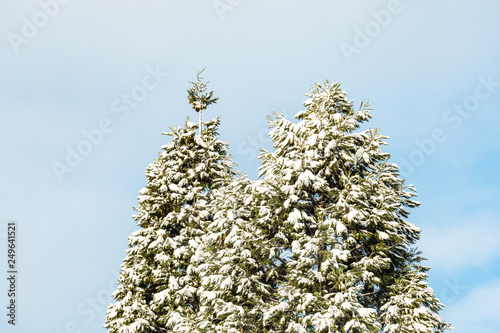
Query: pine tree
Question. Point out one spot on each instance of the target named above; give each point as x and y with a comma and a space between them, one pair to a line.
235, 277
320, 244
158, 284
338, 211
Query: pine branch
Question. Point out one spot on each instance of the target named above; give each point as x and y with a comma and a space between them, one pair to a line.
368, 294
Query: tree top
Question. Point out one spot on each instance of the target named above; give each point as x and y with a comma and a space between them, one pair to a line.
197, 96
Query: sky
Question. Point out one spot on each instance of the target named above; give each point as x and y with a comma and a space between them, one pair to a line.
87, 87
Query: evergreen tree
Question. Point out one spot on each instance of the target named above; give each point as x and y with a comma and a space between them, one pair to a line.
320, 244
235, 277
158, 284
338, 209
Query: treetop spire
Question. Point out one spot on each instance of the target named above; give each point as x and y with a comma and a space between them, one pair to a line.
197, 96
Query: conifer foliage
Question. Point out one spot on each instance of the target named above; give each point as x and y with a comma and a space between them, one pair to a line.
321, 243
158, 284
341, 208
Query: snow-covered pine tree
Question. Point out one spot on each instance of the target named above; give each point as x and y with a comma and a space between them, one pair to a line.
158, 283
236, 274
338, 211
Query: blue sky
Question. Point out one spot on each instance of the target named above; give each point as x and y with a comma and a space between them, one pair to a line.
118, 71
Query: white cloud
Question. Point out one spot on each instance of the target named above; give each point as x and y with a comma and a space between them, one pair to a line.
476, 312
467, 242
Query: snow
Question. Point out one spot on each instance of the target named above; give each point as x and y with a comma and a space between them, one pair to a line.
352, 214
340, 228
366, 312
290, 247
